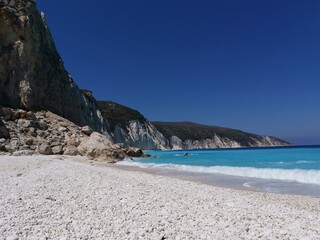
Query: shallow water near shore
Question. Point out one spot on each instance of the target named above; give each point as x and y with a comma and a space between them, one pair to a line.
288, 170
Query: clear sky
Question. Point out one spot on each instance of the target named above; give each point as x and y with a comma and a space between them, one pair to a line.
250, 65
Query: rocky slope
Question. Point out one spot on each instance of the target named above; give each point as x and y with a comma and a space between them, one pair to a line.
43, 132
131, 128
187, 135
32, 74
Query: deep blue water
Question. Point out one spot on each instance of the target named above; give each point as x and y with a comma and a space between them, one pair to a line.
307, 158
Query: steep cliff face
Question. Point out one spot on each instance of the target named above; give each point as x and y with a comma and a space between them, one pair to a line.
33, 77
262, 141
141, 134
32, 74
215, 142
186, 135
131, 128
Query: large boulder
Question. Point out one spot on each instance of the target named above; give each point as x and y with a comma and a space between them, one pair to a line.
100, 147
71, 150
86, 130
32, 74
45, 149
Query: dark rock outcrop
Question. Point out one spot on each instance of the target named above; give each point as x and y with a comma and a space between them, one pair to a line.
134, 152
4, 133
32, 74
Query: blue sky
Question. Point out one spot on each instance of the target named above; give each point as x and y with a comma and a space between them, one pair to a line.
250, 65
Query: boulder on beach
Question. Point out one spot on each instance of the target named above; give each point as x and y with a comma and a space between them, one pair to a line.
45, 149
134, 152
71, 150
100, 147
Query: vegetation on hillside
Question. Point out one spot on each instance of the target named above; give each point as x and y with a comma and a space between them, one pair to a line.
117, 114
194, 131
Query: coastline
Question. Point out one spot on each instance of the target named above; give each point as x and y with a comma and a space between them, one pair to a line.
73, 197
232, 182
184, 176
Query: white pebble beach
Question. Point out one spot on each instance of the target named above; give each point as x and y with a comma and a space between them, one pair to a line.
59, 197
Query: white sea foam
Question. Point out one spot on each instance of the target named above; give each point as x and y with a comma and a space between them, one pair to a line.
304, 162
247, 184
296, 175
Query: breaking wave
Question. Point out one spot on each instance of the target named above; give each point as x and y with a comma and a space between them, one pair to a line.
295, 175
304, 162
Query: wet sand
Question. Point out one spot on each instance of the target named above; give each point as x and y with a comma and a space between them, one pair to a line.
238, 183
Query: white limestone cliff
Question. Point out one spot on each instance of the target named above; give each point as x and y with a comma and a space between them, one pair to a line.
141, 134
144, 135
219, 142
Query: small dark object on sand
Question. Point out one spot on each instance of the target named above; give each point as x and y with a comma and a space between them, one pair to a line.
51, 199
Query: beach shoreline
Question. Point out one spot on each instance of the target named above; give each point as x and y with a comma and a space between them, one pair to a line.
74, 197
184, 176
233, 182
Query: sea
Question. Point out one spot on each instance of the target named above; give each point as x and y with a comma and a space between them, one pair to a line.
287, 170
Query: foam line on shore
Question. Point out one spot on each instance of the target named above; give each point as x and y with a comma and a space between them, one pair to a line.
295, 175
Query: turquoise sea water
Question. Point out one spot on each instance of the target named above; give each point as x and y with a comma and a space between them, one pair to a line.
261, 168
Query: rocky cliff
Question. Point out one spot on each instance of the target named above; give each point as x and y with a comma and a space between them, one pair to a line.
32, 74
33, 78
131, 128
38, 96
187, 135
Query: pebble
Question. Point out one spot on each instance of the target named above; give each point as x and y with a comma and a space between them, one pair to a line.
69, 200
